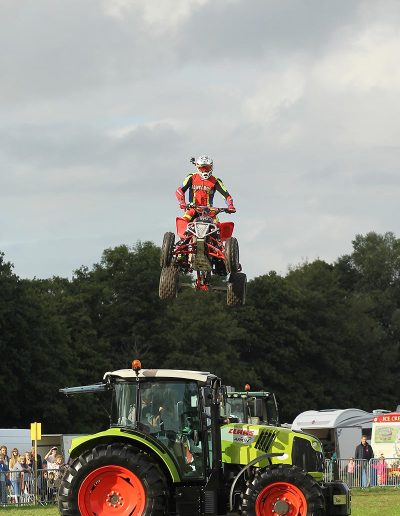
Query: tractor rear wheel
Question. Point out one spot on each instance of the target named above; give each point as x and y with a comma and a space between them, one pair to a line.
236, 291
169, 277
232, 255
167, 249
114, 479
282, 490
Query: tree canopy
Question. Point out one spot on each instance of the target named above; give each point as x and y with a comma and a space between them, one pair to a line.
323, 336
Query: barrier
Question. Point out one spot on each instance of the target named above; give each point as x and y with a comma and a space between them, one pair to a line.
19, 488
361, 473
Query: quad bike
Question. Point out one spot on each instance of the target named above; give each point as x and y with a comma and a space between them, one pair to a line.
205, 247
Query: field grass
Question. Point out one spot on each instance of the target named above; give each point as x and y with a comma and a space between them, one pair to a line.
51, 510
365, 502
376, 502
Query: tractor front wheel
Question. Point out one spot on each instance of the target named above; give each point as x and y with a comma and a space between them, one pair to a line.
282, 490
114, 479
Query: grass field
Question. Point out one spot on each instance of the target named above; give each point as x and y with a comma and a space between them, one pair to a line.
376, 502
366, 502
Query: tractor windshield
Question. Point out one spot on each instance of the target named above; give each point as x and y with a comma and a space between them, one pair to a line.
168, 411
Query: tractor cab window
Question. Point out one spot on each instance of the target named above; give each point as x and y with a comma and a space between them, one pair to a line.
123, 408
264, 409
235, 409
169, 412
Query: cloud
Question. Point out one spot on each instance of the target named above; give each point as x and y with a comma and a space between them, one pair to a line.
103, 104
160, 17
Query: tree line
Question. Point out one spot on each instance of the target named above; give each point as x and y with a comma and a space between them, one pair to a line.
322, 336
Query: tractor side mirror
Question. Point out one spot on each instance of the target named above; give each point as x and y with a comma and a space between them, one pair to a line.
207, 395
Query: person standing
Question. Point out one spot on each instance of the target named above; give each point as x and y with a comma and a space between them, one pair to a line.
3, 451
50, 457
351, 465
14, 477
3, 480
364, 453
381, 470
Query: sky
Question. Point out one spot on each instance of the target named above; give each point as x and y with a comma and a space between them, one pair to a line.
104, 102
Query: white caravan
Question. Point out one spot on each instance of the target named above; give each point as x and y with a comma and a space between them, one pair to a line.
339, 430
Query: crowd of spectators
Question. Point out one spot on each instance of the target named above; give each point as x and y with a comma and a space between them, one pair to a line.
17, 476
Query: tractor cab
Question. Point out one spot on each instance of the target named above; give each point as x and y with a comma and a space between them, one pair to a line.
254, 407
166, 410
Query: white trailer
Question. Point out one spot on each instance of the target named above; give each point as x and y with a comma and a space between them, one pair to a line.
19, 438
339, 430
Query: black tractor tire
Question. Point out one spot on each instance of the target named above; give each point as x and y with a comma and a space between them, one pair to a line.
236, 290
167, 249
282, 489
169, 278
232, 255
113, 479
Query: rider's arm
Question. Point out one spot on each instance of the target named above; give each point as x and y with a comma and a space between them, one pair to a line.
221, 188
180, 192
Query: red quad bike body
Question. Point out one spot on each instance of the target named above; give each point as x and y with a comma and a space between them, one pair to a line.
205, 247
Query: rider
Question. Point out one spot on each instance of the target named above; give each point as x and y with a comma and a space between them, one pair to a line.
202, 186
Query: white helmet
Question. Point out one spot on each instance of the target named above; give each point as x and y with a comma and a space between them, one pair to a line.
204, 165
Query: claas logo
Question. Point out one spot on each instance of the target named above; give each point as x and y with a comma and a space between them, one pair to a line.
241, 431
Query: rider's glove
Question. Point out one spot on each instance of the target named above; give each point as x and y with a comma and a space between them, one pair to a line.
229, 202
182, 206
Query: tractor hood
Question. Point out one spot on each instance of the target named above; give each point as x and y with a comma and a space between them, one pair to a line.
242, 443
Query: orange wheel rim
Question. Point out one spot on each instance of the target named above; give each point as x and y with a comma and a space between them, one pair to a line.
111, 490
281, 499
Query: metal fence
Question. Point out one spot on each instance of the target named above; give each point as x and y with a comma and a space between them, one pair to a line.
21, 487
362, 473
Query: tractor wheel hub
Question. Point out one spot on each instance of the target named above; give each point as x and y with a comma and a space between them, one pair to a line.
114, 499
281, 507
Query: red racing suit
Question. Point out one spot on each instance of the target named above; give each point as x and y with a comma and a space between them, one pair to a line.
201, 192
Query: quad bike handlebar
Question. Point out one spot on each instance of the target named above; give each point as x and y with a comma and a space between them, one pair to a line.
206, 209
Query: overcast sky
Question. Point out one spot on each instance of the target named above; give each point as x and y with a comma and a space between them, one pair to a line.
103, 102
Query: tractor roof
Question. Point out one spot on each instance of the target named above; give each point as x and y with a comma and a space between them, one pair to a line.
130, 374
249, 394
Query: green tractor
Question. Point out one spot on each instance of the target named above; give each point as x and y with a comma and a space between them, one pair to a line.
169, 451
255, 407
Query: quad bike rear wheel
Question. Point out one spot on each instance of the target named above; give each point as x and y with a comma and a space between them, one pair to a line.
168, 288
114, 479
167, 249
282, 490
232, 255
236, 291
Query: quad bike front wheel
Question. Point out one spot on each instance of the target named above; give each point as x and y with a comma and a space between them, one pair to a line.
115, 479
236, 290
232, 255
168, 288
167, 249
282, 490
